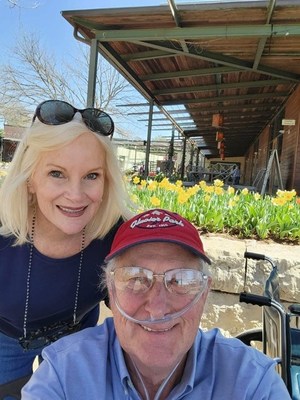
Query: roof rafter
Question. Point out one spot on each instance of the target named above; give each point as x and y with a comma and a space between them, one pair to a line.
187, 73
223, 60
263, 41
198, 33
220, 86
225, 98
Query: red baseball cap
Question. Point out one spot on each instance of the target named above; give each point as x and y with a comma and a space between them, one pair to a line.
157, 225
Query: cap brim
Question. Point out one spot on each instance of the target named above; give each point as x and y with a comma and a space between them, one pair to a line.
163, 240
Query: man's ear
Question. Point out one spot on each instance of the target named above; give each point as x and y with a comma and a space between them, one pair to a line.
209, 282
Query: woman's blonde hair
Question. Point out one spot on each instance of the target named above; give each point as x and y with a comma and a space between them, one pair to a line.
16, 204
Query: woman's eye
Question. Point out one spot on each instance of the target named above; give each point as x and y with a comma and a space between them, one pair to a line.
92, 176
56, 174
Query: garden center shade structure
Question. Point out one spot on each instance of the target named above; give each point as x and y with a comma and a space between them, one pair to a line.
239, 60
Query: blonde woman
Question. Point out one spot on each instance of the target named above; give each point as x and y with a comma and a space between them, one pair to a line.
60, 205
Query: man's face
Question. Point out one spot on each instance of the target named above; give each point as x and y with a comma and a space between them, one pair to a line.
158, 346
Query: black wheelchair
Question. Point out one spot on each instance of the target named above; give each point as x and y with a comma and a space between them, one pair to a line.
280, 333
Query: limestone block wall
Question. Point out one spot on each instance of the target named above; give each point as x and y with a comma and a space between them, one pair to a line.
227, 270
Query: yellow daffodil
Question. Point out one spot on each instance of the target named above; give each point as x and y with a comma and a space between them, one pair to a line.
136, 180
155, 201
218, 182
152, 185
219, 190
278, 201
182, 198
230, 190
231, 203
209, 189
134, 198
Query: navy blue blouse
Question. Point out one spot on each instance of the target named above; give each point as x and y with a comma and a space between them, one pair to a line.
52, 286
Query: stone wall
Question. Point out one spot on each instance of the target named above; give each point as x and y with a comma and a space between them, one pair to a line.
223, 308
227, 270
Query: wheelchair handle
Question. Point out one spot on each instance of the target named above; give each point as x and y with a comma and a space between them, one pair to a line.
254, 256
257, 256
255, 299
295, 309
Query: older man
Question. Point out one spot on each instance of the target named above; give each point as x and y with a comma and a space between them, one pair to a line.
153, 347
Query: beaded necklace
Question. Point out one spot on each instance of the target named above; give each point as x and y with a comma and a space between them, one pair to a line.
29, 276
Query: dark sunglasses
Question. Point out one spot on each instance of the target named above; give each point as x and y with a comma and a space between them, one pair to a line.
57, 112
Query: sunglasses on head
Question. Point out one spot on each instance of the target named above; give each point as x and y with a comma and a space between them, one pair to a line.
57, 112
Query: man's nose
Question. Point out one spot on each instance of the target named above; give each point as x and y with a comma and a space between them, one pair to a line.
156, 303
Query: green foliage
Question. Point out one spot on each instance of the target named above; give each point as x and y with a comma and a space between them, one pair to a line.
215, 209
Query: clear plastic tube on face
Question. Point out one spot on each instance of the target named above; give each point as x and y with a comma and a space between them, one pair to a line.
150, 319
162, 386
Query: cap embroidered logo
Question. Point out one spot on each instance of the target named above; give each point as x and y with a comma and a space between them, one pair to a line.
157, 225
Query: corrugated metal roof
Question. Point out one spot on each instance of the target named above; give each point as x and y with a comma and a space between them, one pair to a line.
237, 59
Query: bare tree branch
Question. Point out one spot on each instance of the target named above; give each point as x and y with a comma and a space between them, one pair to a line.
19, 3
34, 76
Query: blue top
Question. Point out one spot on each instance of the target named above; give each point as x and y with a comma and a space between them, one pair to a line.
52, 286
90, 365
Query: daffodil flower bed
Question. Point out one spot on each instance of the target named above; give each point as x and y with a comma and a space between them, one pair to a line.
213, 208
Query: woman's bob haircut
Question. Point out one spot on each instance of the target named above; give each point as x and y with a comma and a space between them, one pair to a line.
17, 204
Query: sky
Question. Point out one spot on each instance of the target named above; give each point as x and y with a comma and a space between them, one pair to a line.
43, 18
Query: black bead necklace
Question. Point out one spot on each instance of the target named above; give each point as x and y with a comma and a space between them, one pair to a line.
25, 322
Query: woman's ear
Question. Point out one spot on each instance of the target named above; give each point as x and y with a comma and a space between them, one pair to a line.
29, 186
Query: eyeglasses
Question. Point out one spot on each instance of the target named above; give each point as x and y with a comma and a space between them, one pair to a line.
130, 286
57, 112
137, 280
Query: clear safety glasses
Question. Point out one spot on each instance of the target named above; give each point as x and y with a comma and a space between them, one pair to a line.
132, 285
57, 112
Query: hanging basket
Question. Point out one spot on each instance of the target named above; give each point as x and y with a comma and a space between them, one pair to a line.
217, 120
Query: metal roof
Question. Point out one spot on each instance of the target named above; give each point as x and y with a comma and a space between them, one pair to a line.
237, 59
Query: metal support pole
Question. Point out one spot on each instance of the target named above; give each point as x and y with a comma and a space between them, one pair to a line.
191, 162
197, 157
148, 144
171, 154
92, 73
183, 159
